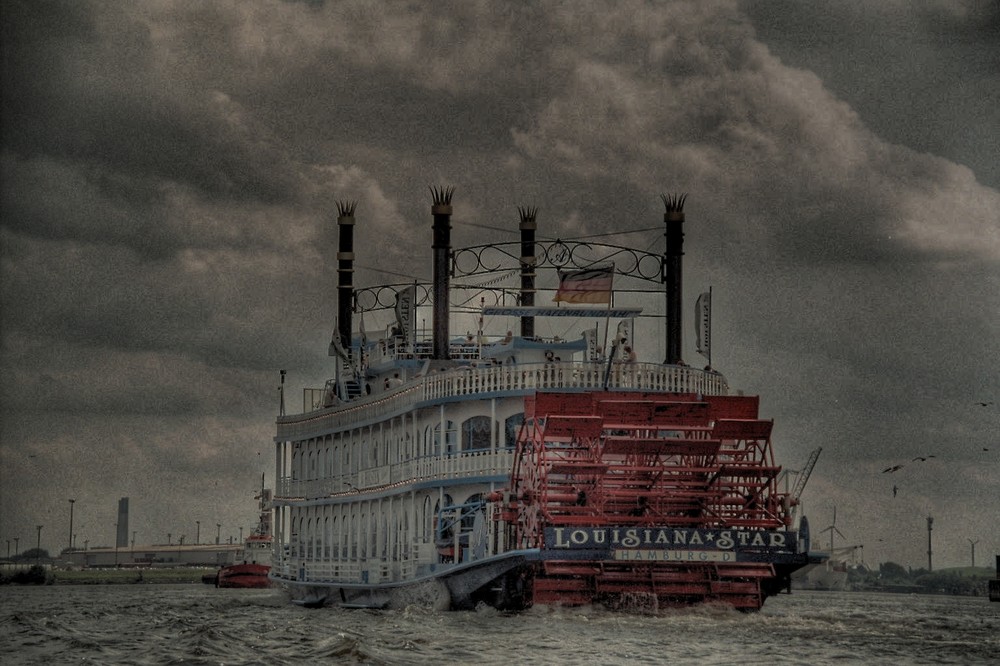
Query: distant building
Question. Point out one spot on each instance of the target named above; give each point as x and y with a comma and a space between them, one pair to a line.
155, 555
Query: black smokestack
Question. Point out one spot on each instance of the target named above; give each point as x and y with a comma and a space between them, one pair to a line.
345, 270
673, 219
527, 227
441, 210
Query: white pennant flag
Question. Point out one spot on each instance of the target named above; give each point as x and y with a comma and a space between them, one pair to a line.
703, 324
406, 313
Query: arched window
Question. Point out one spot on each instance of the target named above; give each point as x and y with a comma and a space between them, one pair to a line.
450, 444
427, 520
363, 535
341, 528
431, 443
327, 536
469, 515
511, 427
383, 539
335, 530
476, 433
298, 525
445, 529
404, 536
353, 538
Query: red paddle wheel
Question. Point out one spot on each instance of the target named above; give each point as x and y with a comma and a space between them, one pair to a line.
643, 464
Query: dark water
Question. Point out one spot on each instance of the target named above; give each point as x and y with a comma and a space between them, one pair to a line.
195, 624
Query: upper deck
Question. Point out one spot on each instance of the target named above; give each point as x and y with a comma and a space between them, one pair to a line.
467, 382
385, 372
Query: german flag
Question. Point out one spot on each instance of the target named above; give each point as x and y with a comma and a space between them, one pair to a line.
589, 285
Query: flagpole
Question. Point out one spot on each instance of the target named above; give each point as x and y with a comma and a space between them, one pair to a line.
607, 328
479, 336
607, 318
710, 326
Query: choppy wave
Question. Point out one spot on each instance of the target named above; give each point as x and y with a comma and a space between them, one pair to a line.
204, 625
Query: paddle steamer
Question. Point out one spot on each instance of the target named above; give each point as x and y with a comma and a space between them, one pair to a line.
507, 467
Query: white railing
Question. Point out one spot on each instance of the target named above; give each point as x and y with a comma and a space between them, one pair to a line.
319, 571
304, 569
471, 381
447, 466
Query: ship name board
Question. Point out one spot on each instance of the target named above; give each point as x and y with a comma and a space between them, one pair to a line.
657, 555
666, 538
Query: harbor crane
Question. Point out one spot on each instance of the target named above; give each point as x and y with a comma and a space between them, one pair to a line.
803, 477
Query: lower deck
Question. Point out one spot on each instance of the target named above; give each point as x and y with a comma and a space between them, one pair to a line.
669, 495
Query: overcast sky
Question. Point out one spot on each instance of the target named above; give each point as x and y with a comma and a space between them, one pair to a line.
169, 173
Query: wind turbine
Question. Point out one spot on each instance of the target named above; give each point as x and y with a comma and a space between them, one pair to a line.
833, 528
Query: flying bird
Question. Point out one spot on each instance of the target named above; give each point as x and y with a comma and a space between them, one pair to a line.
922, 458
985, 404
894, 490
894, 468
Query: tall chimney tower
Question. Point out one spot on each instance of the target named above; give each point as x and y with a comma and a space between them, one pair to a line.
121, 537
441, 210
673, 220
345, 270
527, 227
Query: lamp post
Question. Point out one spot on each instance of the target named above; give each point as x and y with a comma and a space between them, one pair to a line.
71, 503
930, 523
973, 551
116, 545
17, 549
218, 531
38, 546
241, 534
169, 539
197, 534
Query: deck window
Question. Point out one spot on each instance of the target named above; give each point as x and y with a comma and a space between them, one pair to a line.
476, 433
512, 426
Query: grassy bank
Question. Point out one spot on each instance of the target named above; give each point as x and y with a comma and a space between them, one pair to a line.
129, 576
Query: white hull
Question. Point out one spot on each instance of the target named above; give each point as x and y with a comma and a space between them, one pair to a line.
461, 586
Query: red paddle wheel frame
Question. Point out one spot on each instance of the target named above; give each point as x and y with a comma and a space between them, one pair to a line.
644, 460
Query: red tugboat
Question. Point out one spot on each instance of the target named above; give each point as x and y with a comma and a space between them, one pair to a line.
543, 467
253, 571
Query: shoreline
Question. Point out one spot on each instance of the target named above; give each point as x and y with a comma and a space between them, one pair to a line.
164, 576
